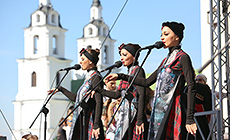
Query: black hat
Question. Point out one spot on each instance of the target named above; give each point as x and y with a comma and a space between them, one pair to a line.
177, 28
92, 58
131, 48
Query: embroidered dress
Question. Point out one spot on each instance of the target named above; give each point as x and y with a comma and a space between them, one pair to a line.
167, 98
80, 94
122, 122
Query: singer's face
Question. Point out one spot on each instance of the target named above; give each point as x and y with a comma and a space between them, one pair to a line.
85, 62
126, 57
169, 38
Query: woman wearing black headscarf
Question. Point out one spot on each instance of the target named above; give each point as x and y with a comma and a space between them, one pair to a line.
86, 122
168, 117
138, 118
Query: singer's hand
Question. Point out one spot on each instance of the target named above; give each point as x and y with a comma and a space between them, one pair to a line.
191, 128
96, 133
92, 93
139, 129
111, 77
51, 91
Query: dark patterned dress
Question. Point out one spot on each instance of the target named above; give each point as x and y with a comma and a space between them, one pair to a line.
169, 116
88, 114
122, 120
166, 87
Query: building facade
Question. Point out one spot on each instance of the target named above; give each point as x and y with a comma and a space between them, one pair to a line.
44, 56
44, 49
96, 36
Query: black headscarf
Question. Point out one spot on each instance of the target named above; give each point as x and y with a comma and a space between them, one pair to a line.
177, 28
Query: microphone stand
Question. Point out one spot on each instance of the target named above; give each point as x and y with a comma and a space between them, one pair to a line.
129, 96
46, 110
83, 104
8, 124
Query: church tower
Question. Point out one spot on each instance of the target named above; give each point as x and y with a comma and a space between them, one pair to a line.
44, 49
94, 35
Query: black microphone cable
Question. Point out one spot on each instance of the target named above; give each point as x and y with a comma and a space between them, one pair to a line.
123, 7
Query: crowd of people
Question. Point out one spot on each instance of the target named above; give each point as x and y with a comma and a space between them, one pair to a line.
115, 113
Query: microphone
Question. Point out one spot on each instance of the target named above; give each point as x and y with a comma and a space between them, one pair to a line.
117, 65
158, 45
76, 67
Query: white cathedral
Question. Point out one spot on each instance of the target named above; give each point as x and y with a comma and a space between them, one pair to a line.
44, 55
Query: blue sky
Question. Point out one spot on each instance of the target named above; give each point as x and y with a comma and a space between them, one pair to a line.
140, 23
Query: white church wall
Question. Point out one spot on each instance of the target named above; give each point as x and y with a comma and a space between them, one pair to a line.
205, 38
53, 18
57, 109
90, 31
38, 18
45, 63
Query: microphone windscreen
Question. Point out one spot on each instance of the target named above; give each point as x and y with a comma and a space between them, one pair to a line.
77, 67
159, 44
118, 64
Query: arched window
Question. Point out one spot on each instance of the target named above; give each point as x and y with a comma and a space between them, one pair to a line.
53, 18
104, 31
89, 47
38, 18
93, 13
54, 44
105, 54
34, 78
57, 78
90, 31
36, 39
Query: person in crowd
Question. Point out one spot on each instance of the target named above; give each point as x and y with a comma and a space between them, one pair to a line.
148, 99
172, 113
64, 129
25, 135
201, 78
111, 130
106, 102
32, 137
111, 85
138, 117
86, 121
61, 135
69, 121
203, 102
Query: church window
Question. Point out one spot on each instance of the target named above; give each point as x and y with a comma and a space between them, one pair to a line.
105, 54
93, 13
53, 18
89, 47
36, 38
54, 44
90, 31
34, 78
104, 31
57, 78
38, 18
